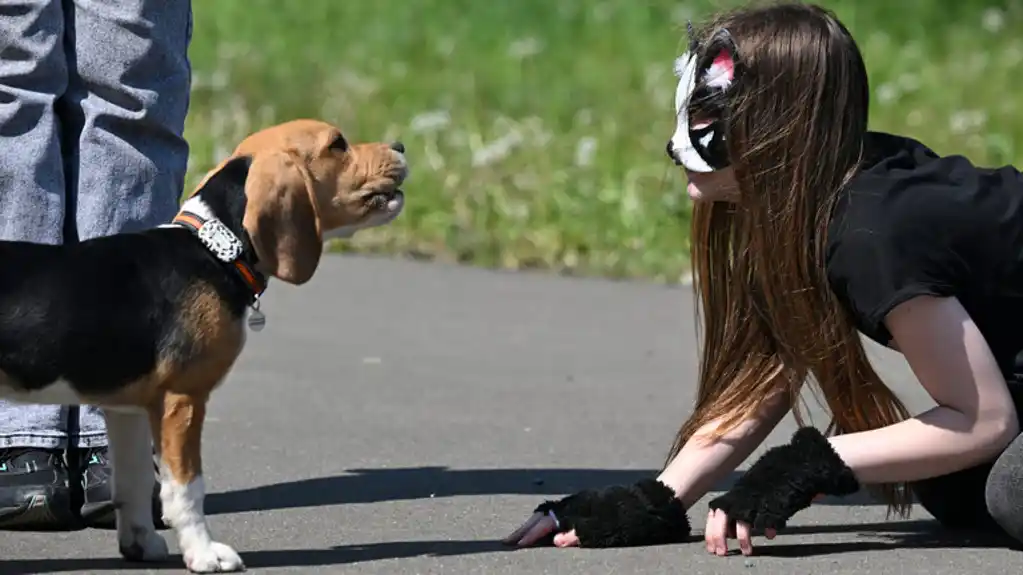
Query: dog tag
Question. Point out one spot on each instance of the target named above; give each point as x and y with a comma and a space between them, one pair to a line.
257, 321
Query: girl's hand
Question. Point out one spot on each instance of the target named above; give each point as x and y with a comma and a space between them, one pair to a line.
719, 530
537, 527
643, 513
785, 480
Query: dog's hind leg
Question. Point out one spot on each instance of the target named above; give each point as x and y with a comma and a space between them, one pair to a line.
182, 491
132, 463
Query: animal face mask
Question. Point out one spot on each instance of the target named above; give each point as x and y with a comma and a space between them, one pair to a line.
706, 73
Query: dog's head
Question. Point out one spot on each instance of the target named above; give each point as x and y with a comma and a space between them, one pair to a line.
307, 183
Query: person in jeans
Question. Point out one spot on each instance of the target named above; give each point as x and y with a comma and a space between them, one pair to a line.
93, 98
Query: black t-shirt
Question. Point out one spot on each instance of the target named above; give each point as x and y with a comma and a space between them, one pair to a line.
913, 223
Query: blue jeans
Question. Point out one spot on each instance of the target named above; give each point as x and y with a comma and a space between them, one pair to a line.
93, 98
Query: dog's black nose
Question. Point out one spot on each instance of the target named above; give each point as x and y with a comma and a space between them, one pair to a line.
398, 147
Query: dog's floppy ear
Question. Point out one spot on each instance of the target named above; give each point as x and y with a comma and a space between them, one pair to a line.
281, 218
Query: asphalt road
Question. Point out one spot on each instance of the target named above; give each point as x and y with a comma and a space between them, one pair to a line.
398, 417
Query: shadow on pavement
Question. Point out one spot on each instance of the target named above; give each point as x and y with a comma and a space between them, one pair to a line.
905, 534
262, 559
402, 484
921, 534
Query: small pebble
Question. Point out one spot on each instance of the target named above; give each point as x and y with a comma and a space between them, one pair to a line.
747, 563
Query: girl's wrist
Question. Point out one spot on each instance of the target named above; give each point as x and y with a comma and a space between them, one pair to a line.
674, 481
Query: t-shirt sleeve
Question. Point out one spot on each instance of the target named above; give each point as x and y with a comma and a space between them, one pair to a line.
898, 252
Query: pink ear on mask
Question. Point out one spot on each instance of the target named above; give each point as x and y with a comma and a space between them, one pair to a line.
721, 71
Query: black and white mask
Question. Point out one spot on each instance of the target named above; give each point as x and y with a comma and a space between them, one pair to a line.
706, 73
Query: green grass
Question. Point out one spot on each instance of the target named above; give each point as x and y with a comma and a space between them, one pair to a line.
536, 128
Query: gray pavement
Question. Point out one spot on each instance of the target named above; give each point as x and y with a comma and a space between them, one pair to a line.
399, 417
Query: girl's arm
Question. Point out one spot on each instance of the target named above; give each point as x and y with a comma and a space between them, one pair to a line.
702, 462
975, 418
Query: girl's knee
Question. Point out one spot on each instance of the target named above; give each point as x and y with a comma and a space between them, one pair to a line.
1003, 492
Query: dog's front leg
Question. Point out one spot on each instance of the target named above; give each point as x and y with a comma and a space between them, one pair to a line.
182, 490
132, 464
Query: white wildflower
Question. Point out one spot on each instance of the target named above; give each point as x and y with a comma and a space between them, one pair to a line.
431, 121
525, 48
964, 121
585, 150
992, 20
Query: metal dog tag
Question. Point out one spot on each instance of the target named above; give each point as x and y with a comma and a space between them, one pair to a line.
257, 321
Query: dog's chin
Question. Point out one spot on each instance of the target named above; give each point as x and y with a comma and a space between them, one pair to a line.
384, 207
394, 205
387, 209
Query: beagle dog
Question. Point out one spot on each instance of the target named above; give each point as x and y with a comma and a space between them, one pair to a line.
147, 324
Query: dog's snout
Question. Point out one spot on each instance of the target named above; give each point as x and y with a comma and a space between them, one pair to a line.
398, 147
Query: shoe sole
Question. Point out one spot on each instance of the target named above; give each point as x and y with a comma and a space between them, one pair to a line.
100, 515
38, 515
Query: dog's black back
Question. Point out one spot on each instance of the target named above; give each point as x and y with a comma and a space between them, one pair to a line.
101, 313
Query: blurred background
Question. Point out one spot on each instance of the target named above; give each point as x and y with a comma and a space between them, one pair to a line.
535, 128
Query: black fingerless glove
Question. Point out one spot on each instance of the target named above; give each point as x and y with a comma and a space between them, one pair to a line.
785, 481
646, 513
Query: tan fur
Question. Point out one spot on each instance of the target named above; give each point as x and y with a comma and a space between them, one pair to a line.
299, 173
177, 417
282, 217
177, 432
206, 318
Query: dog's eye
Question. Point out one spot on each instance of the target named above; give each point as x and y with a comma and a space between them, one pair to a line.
339, 144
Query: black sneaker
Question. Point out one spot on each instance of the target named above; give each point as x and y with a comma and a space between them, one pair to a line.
34, 490
97, 507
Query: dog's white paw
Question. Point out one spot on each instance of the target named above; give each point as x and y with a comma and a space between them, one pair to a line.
142, 544
213, 558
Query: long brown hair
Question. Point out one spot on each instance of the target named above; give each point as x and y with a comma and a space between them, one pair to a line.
770, 321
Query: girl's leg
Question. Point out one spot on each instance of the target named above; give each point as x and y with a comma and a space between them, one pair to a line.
957, 500
1004, 490
982, 497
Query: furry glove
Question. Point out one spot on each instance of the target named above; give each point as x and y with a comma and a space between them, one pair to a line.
646, 513
785, 481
